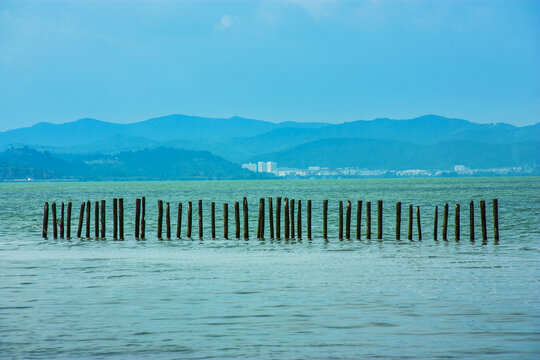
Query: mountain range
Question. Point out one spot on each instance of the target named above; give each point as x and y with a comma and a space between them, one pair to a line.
430, 141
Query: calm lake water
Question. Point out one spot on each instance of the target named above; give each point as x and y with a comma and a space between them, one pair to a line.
220, 298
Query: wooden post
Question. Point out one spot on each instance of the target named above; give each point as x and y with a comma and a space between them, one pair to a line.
271, 217
81, 219
457, 225
445, 223
368, 220
299, 220
121, 217
418, 223
213, 218
348, 221
262, 218
496, 220
115, 218
189, 219
358, 219
143, 221
54, 221
278, 217
226, 221
340, 220
179, 222
45, 220
62, 220
483, 220
398, 220
68, 221
96, 219
168, 219
137, 217
237, 219
291, 217
88, 211
200, 219
246, 218
286, 219
435, 222
471, 221
379, 219
102, 219
325, 219
159, 218
259, 236
409, 232
309, 219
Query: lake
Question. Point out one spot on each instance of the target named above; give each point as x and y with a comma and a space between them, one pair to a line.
280, 299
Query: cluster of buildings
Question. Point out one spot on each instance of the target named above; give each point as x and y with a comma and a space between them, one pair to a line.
326, 172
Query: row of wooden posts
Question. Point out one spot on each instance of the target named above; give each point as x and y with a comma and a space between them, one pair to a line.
288, 214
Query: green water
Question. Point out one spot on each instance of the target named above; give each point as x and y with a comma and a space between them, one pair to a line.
191, 298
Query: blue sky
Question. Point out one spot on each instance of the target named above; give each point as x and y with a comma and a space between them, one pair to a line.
280, 60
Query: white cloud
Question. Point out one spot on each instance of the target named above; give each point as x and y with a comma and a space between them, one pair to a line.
225, 22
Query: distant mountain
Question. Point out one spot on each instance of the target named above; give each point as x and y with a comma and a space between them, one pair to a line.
392, 154
152, 164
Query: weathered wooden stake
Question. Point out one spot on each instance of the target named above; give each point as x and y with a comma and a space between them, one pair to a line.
246, 218
325, 219
358, 219
278, 217
143, 221
398, 220
115, 218
262, 218
88, 212
62, 221
291, 217
299, 220
189, 219
379, 219
226, 221
483, 220
271, 217
81, 219
168, 219
259, 236
445, 223
213, 218
45, 220
496, 220
237, 219
309, 219
137, 217
340, 220
348, 221
102, 219
409, 232
96, 219
435, 223
68, 221
200, 219
121, 218
471, 221
286, 219
179, 222
159, 218
368, 220
457, 225
54, 221
418, 223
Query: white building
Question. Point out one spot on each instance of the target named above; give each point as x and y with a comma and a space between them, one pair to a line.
271, 167
250, 167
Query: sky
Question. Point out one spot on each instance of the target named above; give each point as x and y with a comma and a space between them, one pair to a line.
281, 60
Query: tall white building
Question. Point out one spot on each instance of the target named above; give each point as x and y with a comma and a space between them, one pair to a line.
271, 166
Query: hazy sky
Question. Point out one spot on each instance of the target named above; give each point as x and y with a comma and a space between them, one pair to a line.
125, 61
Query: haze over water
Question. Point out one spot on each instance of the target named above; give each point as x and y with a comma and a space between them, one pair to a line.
274, 298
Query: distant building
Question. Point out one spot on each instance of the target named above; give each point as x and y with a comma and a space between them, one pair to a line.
271, 167
462, 169
250, 167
